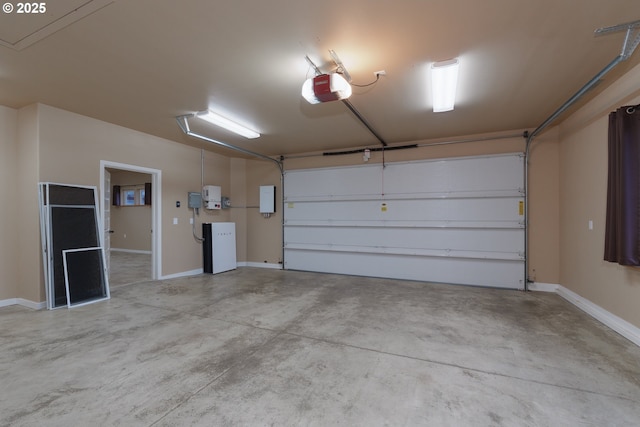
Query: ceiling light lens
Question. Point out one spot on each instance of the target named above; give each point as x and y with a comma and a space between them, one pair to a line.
340, 86
444, 82
308, 93
228, 124
326, 88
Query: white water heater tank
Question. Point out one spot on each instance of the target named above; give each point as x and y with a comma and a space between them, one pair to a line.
212, 196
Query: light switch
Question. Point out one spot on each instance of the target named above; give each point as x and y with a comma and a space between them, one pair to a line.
590, 224
175, 221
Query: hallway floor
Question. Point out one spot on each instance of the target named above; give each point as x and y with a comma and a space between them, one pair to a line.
270, 347
128, 267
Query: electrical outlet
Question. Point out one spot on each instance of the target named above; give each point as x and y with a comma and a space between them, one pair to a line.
380, 73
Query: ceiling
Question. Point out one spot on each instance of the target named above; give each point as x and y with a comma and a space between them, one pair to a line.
139, 64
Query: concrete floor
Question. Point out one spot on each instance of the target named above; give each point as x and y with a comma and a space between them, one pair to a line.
128, 267
270, 347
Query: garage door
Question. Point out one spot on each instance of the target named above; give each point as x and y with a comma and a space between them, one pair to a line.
455, 220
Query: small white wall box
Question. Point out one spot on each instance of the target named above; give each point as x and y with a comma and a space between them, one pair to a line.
212, 196
267, 199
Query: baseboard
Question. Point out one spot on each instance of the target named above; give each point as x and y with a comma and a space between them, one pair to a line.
260, 265
240, 264
543, 287
24, 303
8, 302
183, 274
621, 326
131, 251
31, 304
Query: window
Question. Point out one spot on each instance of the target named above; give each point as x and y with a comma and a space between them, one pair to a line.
132, 195
129, 197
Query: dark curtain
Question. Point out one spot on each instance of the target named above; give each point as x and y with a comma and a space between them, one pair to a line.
147, 193
622, 232
115, 196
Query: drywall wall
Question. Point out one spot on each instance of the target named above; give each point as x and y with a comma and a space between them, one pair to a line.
30, 268
10, 207
67, 148
238, 210
544, 208
264, 243
583, 193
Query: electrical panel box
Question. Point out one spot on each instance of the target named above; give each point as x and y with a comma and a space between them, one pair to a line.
267, 199
212, 195
195, 200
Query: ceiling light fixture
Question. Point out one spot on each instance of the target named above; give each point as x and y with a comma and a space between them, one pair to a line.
325, 88
444, 82
228, 124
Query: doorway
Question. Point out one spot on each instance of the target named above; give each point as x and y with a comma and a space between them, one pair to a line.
139, 253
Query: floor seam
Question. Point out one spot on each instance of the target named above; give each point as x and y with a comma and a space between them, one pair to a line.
280, 332
453, 365
223, 373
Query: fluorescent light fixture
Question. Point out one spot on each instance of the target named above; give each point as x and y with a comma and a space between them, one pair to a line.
326, 88
218, 120
444, 81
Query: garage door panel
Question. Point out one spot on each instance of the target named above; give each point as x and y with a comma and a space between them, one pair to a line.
456, 175
457, 220
459, 175
333, 182
387, 209
476, 272
487, 240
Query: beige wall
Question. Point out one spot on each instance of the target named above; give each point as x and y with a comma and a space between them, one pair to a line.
20, 249
10, 206
583, 160
58, 146
264, 234
45, 144
131, 225
238, 210
544, 208
30, 274
91, 140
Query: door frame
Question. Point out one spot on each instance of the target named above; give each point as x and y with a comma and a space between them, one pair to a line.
156, 209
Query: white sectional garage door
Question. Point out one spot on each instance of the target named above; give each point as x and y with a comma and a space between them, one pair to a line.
456, 220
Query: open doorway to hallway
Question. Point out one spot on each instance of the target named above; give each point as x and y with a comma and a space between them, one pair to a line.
130, 227
130, 216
